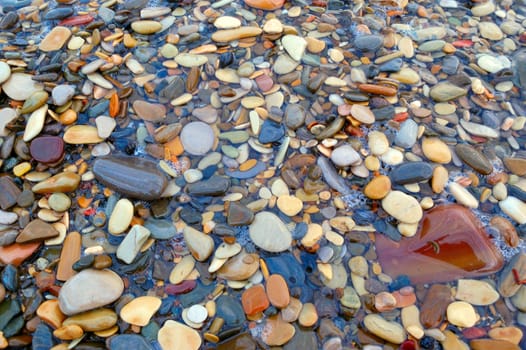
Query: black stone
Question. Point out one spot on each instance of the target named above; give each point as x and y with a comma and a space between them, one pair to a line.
230, 310
215, 186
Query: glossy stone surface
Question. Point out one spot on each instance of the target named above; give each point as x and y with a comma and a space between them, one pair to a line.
47, 149
450, 244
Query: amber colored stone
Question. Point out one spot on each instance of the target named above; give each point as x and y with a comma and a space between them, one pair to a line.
254, 300
102, 261
492, 344
278, 291
451, 243
47, 149
49, 312
268, 5
433, 310
69, 255
17, 253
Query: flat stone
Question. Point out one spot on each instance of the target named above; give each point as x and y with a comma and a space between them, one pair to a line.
269, 233
10, 192
284, 64
479, 129
105, 126
476, 292
289, 205
172, 332
214, 186
515, 208
402, 207
487, 344
121, 216
269, 5
132, 243
442, 250
227, 22
36, 230
50, 313
61, 94
93, 321
294, 45
69, 254
7, 115
35, 123
88, 290
443, 92
17, 253
47, 149
62, 182
146, 27
200, 245
276, 332
387, 330
511, 334
197, 138
239, 267
227, 35
55, 39
516, 165
134, 177
81, 134
20, 86
277, 291
254, 300
462, 195
490, 30
363, 114
152, 112
493, 64
436, 150
369, 43
344, 156
128, 341
462, 314
140, 310
483, 9
5, 72
474, 158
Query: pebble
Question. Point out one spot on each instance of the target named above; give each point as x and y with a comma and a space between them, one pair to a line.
88, 290
269, 233
172, 331
474, 158
344, 156
462, 314
436, 150
378, 187
388, 330
412, 172
140, 310
462, 195
515, 208
132, 243
443, 92
490, 30
36, 230
200, 245
121, 216
197, 138
55, 39
93, 321
127, 175
289, 205
276, 332
402, 207
277, 291
146, 27
476, 292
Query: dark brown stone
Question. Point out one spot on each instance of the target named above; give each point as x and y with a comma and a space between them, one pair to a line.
36, 230
433, 310
239, 215
47, 149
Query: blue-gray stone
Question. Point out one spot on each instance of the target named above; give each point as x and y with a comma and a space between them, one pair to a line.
214, 186
369, 42
58, 13
406, 136
287, 266
127, 342
10, 278
392, 65
411, 172
250, 173
9, 308
42, 338
450, 65
230, 310
160, 229
271, 132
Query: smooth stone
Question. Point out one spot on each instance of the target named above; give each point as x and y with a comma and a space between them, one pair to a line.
378, 187
407, 134
190, 60
363, 114
227, 22
511, 334
197, 138
443, 92
487, 344
387, 330
121, 216
35, 123
55, 39
146, 27
507, 285
436, 150
240, 267
9, 308
450, 244
462, 195
181, 271
241, 341
82, 134
268, 5
62, 182
378, 143
402, 207
94, 320
214, 186
284, 64
35, 101
88, 290
239, 215
479, 129
271, 132
36, 230
152, 112
140, 310
132, 176
406, 75
254, 300
132, 243
411, 172
17, 253
277, 291
344, 156
277, 332
474, 158
227, 35
200, 245
10, 192
483, 9
20, 86
47, 149
493, 64
7, 218
229, 309
516, 165
7, 115
369, 42
171, 333
490, 30
105, 126
461, 314
5, 72
69, 255
294, 45
434, 306
61, 94
269, 233
128, 341
289, 205
515, 208
476, 292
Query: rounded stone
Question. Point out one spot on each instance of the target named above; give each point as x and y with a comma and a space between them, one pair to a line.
344, 156
59, 202
436, 150
289, 205
197, 138
171, 334
47, 149
140, 310
402, 207
378, 187
461, 314
88, 290
269, 233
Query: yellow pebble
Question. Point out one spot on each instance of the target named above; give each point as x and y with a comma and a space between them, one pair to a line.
22, 169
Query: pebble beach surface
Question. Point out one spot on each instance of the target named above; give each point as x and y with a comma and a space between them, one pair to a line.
262, 174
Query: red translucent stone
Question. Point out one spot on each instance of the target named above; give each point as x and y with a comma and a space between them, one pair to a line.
181, 288
47, 149
450, 244
408, 345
